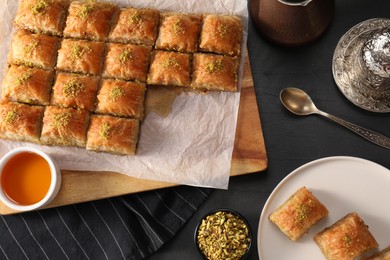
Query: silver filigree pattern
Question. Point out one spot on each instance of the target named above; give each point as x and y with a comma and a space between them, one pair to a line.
376, 53
361, 65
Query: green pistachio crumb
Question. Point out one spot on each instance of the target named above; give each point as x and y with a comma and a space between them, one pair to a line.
125, 56
62, 119
347, 240
115, 93
28, 100
25, 63
303, 212
223, 30
84, 11
170, 63
22, 79
39, 7
135, 18
214, 66
31, 46
11, 116
73, 88
105, 130
177, 27
78, 51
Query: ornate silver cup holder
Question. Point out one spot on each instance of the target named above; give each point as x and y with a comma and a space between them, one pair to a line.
361, 65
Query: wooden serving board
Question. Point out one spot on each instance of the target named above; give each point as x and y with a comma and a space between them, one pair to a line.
249, 155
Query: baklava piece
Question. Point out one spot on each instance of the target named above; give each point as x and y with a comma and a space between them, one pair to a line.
89, 20
214, 72
20, 122
121, 98
137, 26
127, 61
169, 69
179, 32
298, 214
221, 34
42, 16
381, 255
113, 134
64, 126
27, 85
346, 239
74, 90
80, 56
33, 50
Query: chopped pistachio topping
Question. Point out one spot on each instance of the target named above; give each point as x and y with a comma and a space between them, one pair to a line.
39, 7
11, 116
27, 100
125, 56
177, 27
347, 240
105, 130
25, 63
303, 212
214, 66
85, 10
73, 88
170, 63
223, 30
135, 18
62, 119
115, 93
223, 235
78, 51
23, 78
31, 46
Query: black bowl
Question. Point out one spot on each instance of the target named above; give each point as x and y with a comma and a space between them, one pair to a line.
235, 213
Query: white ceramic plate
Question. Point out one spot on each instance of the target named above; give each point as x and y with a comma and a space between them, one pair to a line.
343, 185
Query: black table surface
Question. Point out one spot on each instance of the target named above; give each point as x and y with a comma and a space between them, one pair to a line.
292, 141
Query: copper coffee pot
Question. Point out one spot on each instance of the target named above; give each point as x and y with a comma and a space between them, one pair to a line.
292, 22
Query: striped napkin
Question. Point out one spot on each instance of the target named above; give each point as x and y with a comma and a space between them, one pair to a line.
126, 227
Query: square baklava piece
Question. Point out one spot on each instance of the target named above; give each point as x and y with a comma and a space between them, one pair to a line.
80, 56
74, 90
221, 34
137, 26
127, 61
33, 50
169, 68
179, 32
89, 20
298, 214
42, 16
113, 134
214, 72
20, 122
64, 126
348, 238
121, 98
27, 85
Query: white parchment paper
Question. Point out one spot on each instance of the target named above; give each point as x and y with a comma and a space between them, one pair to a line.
192, 146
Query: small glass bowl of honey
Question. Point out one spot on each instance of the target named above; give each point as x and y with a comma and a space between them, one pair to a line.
29, 179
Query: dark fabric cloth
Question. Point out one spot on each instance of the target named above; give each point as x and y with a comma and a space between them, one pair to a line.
127, 227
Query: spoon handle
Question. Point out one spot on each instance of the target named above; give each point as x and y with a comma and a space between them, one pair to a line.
370, 135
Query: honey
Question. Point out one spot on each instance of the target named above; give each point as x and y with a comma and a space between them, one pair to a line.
26, 178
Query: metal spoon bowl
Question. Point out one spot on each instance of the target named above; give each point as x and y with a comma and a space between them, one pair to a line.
299, 102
